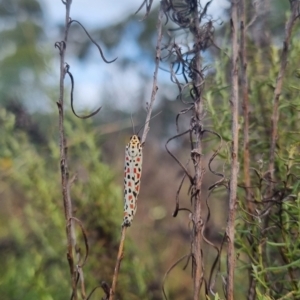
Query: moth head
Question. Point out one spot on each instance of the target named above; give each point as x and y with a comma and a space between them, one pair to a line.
135, 139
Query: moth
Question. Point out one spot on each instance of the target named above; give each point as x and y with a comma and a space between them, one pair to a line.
132, 175
132, 178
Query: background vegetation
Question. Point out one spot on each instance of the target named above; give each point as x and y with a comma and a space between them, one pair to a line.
32, 226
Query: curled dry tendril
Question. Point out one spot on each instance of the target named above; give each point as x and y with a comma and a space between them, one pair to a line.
61, 46
188, 74
92, 40
67, 70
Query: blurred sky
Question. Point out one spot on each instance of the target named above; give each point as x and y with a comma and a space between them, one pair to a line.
107, 12
93, 76
93, 12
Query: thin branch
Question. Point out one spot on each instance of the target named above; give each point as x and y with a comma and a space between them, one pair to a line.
196, 153
71, 238
245, 99
118, 264
187, 65
81, 278
146, 129
154, 86
278, 87
244, 81
230, 230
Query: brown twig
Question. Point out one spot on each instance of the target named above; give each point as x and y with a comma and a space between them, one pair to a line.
118, 264
230, 230
278, 87
196, 154
71, 239
245, 100
146, 130
75, 268
245, 97
190, 15
154, 86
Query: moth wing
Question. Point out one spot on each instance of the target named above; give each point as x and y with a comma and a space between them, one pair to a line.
130, 191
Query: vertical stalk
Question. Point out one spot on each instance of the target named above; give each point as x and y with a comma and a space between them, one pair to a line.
112, 291
157, 61
63, 157
245, 97
197, 159
278, 87
246, 153
230, 231
294, 7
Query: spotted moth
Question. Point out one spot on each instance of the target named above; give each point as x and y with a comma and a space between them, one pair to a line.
132, 178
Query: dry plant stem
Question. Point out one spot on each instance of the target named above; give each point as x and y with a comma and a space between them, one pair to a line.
278, 87
118, 264
230, 231
148, 117
294, 6
245, 97
63, 159
197, 159
244, 81
157, 60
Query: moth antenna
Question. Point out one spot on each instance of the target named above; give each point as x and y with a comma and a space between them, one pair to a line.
149, 121
133, 129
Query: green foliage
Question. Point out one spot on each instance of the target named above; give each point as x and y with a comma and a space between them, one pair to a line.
21, 54
32, 226
267, 240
